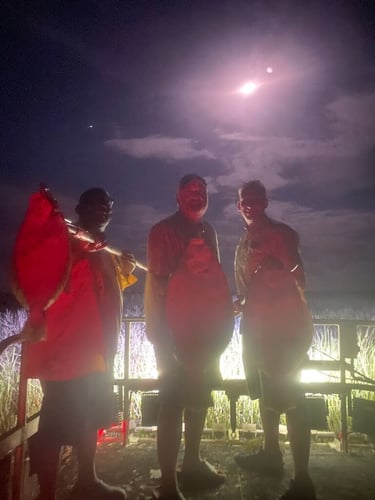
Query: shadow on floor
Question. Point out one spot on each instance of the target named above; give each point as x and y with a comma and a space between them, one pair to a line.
337, 476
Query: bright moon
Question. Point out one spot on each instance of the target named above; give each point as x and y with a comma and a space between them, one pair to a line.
248, 88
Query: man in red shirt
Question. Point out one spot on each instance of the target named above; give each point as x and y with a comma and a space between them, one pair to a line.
75, 362
277, 331
189, 317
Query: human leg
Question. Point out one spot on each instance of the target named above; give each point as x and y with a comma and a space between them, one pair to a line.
195, 472
299, 436
88, 484
44, 462
270, 423
194, 424
269, 459
301, 485
44, 446
169, 431
96, 411
86, 450
168, 444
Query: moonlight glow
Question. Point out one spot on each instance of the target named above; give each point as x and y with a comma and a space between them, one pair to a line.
248, 88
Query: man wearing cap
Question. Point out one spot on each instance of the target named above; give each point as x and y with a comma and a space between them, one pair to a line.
276, 335
189, 318
75, 362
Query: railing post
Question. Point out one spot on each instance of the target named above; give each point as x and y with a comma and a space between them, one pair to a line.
19, 453
344, 394
126, 402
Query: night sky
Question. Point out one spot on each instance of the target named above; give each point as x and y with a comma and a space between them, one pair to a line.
131, 95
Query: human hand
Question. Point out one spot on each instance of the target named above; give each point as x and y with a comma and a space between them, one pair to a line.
128, 263
34, 330
94, 246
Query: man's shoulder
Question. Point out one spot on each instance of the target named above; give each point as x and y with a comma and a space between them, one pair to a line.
243, 237
281, 227
208, 226
177, 221
164, 224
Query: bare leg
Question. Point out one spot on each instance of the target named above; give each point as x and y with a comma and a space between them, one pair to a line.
299, 435
197, 473
270, 422
168, 445
86, 449
88, 484
194, 424
45, 462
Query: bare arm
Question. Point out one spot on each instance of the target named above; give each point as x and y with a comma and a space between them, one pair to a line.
291, 258
156, 285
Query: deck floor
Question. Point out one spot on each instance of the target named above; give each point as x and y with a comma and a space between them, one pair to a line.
337, 476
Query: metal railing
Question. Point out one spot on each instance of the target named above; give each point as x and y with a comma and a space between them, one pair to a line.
13, 442
348, 379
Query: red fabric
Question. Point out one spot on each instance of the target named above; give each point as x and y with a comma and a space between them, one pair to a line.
41, 255
83, 324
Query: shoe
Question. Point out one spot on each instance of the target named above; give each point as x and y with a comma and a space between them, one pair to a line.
175, 495
300, 490
99, 490
261, 462
204, 476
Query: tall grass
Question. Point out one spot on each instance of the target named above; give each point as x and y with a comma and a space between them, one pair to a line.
142, 365
365, 361
11, 323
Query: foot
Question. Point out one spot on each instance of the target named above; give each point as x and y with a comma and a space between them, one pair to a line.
97, 490
202, 476
261, 462
159, 494
300, 490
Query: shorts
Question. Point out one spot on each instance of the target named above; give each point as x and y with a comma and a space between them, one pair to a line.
182, 388
71, 407
276, 393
